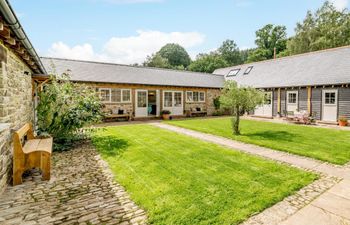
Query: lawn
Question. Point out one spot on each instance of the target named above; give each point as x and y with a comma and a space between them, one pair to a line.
320, 143
182, 180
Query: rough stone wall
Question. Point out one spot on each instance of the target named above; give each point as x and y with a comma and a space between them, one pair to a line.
16, 107
127, 107
211, 95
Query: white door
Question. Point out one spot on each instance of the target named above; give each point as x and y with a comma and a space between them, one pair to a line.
141, 103
292, 101
173, 101
266, 108
329, 105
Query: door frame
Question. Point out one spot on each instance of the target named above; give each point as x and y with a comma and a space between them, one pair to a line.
173, 109
136, 101
323, 103
292, 104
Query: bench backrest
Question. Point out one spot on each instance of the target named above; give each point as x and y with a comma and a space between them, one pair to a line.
26, 130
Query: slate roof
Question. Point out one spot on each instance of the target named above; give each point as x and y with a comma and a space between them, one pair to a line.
327, 67
87, 71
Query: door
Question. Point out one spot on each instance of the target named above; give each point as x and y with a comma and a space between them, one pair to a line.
173, 101
329, 105
266, 108
141, 103
292, 101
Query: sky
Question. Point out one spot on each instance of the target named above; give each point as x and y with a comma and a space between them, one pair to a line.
126, 31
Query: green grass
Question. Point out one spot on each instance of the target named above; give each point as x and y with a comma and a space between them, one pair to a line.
182, 180
320, 143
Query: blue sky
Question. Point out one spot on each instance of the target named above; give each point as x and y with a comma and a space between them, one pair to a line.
125, 31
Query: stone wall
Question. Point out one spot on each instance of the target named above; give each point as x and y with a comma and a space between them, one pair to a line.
211, 95
16, 106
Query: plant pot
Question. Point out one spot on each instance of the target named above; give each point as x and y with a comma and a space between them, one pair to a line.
343, 123
166, 116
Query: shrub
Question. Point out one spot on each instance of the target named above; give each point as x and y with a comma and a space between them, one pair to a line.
165, 112
65, 110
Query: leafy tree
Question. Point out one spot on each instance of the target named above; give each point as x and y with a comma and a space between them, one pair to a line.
326, 28
156, 60
239, 100
207, 63
268, 39
230, 52
175, 54
65, 108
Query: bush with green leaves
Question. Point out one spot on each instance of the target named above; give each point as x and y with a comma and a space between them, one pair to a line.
65, 110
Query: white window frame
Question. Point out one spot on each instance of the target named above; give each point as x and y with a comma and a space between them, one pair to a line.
121, 95
105, 89
296, 97
192, 96
335, 97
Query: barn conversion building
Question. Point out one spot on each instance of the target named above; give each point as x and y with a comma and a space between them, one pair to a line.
317, 82
141, 91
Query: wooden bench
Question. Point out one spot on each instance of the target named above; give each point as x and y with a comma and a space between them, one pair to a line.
117, 116
192, 113
30, 152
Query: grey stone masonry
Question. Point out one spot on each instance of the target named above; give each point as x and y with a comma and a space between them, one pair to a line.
81, 191
16, 107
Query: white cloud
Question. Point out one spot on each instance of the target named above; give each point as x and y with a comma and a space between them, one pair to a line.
132, 49
340, 4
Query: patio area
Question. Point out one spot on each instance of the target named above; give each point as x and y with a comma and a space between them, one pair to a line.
81, 191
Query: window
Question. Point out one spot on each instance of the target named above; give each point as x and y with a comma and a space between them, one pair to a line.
177, 99
330, 98
292, 98
126, 95
105, 94
248, 70
201, 97
141, 99
189, 95
233, 72
168, 99
195, 96
115, 95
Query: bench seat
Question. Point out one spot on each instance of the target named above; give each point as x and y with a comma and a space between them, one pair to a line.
35, 145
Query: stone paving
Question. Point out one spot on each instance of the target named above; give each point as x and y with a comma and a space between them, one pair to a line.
324, 202
81, 191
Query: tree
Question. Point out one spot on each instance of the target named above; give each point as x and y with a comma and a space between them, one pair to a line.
326, 28
207, 63
230, 52
175, 54
156, 60
268, 39
239, 100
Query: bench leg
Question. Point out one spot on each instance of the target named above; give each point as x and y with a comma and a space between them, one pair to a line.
45, 165
17, 176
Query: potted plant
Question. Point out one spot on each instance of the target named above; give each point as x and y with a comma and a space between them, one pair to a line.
343, 121
165, 114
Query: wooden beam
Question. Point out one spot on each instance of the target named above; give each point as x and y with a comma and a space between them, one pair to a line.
279, 101
309, 94
11, 41
5, 32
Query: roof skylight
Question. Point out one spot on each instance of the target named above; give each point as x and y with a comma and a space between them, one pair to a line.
233, 72
248, 70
